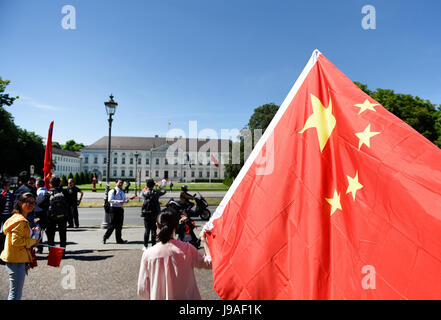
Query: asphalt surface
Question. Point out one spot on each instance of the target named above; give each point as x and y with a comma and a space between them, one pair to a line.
92, 270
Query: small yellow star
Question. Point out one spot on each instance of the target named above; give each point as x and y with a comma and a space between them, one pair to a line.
366, 106
365, 136
322, 119
354, 185
334, 202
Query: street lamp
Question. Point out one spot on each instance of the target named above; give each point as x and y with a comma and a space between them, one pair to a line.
110, 109
136, 173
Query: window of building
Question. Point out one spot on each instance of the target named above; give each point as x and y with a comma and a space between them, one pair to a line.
86, 160
104, 160
208, 174
123, 173
104, 173
200, 174
147, 173
115, 160
139, 160
114, 173
166, 161
175, 174
192, 174
131, 160
157, 161
123, 160
147, 161
130, 173
215, 174
95, 160
156, 173
185, 174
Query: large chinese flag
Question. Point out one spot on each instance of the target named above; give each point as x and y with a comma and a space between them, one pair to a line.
48, 164
339, 199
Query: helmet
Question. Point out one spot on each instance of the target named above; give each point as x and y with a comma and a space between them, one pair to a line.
184, 187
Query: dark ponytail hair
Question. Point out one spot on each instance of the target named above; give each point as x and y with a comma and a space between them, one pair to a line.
167, 223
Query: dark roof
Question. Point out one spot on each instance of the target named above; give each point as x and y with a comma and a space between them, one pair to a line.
67, 153
141, 143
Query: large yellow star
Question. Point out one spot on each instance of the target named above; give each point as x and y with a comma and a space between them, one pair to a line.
334, 202
354, 185
322, 119
366, 105
365, 136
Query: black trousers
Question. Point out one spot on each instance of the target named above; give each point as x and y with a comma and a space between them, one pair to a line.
73, 216
52, 228
116, 223
150, 227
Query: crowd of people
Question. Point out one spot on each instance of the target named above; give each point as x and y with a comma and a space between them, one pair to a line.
34, 206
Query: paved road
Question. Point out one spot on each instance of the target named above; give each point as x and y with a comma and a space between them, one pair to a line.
93, 217
101, 271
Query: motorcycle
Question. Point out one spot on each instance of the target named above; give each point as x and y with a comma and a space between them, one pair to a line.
201, 209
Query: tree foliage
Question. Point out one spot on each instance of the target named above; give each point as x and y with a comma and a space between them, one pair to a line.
19, 148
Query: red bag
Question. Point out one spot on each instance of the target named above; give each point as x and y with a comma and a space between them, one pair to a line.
55, 256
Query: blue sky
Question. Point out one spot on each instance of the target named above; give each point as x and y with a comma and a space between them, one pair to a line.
211, 61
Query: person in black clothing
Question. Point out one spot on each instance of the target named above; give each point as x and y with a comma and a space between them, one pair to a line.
72, 198
26, 184
151, 212
126, 190
60, 225
185, 197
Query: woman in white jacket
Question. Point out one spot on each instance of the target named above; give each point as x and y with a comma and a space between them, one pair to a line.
166, 271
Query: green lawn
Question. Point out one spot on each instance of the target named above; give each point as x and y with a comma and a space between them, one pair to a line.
192, 187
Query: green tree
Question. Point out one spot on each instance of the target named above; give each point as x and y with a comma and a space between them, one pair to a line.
260, 119
63, 181
82, 179
19, 148
76, 178
70, 176
57, 145
72, 145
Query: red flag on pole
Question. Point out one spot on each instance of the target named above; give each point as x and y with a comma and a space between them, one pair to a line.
47, 170
213, 159
339, 199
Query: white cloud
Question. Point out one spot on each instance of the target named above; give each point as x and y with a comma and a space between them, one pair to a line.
28, 101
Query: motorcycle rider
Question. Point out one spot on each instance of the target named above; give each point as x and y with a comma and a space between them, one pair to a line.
185, 197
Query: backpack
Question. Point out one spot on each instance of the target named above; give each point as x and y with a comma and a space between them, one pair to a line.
148, 206
58, 207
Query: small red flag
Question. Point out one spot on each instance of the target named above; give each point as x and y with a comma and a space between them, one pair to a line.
339, 199
55, 256
48, 164
213, 159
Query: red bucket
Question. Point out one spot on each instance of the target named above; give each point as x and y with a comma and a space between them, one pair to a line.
55, 256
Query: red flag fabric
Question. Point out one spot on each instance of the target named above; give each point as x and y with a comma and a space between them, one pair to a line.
55, 256
213, 159
48, 164
339, 199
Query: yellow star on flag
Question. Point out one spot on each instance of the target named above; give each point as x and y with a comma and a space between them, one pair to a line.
322, 119
366, 106
365, 136
334, 202
354, 185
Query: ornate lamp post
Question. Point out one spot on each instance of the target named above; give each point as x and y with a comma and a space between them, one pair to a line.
136, 172
110, 109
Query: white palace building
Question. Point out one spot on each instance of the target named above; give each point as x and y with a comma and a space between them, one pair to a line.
178, 159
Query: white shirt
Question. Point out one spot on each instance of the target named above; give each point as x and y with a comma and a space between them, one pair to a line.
166, 271
115, 198
40, 194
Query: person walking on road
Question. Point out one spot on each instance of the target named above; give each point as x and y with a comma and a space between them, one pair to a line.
116, 198
41, 210
17, 251
167, 269
150, 210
